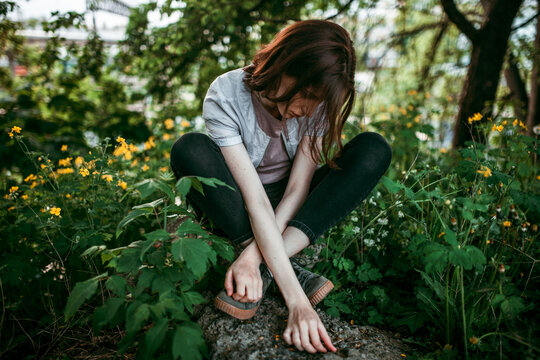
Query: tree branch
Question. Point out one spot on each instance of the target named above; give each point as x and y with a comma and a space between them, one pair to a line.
527, 22
460, 20
343, 8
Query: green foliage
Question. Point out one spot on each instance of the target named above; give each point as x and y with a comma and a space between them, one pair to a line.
444, 250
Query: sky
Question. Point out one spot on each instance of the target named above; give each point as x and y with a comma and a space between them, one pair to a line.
42, 9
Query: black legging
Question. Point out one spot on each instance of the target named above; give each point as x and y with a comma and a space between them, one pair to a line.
332, 193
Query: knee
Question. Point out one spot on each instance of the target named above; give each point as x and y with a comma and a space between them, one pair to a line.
189, 146
373, 151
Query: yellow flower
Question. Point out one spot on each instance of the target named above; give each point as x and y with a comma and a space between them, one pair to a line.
122, 184
538, 177
13, 189
16, 129
343, 136
352, 322
121, 140
412, 92
107, 177
498, 128
409, 125
427, 95
134, 162
417, 118
441, 234
166, 136
68, 196
24, 197
109, 162
33, 185
522, 125
443, 150
65, 171
185, 123
475, 117
95, 172
449, 98
484, 171
150, 143
473, 340
55, 211
65, 162
147, 158
145, 167
402, 111
410, 107
30, 177
169, 124
11, 208
507, 223
166, 155
392, 108
79, 160
42, 166
164, 168
84, 172
64, 148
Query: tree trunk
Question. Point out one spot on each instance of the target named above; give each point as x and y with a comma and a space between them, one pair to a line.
533, 116
489, 44
517, 87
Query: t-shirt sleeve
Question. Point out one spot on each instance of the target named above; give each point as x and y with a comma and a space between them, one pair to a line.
221, 123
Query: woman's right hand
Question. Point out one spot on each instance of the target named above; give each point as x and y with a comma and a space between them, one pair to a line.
246, 274
305, 330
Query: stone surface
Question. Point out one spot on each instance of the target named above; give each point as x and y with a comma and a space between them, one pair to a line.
261, 336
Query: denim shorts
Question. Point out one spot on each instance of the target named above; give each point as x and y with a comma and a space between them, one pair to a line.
333, 193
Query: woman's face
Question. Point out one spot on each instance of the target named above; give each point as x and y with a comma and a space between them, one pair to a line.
301, 104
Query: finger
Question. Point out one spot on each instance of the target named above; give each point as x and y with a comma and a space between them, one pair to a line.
287, 336
296, 339
304, 336
326, 338
241, 289
229, 282
314, 335
259, 289
250, 294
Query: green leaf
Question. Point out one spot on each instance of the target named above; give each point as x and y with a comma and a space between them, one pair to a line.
136, 315
117, 285
105, 314
189, 227
213, 181
128, 261
129, 218
224, 249
391, 185
460, 257
81, 292
183, 185
153, 338
187, 341
192, 298
194, 252
150, 205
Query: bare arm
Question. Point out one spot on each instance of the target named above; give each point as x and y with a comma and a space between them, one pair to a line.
263, 220
294, 197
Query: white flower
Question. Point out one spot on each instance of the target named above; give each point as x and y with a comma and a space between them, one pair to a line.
384, 233
372, 202
354, 219
370, 231
400, 214
383, 221
369, 242
378, 194
356, 230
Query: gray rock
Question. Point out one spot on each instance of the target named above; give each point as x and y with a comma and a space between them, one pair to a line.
261, 336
